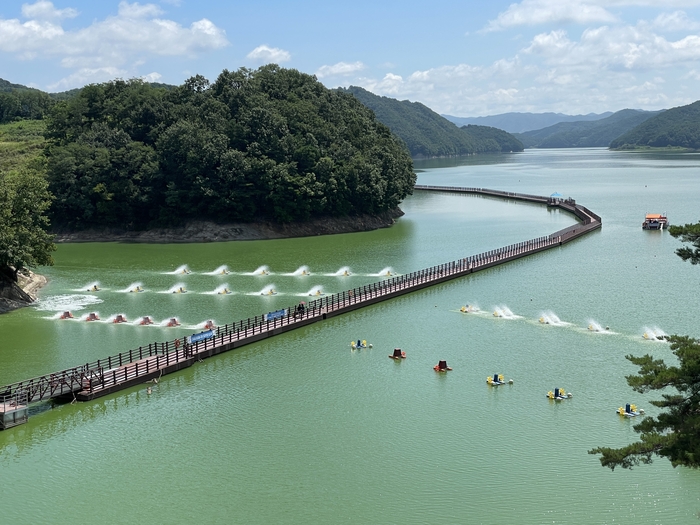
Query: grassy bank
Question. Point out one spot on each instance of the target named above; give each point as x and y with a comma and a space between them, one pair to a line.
21, 144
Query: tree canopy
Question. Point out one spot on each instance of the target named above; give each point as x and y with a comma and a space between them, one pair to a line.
24, 241
689, 233
271, 143
675, 433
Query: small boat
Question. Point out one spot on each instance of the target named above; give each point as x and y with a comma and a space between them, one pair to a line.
136, 289
173, 322
559, 394
92, 316
655, 221
225, 291
468, 309
94, 288
224, 272
359, 344
497, 380
186, 271
317, 293
630, 411
442, 367
271, 291
398, 354
496, 313
66, 315
181, 289
145, 320
544, 321
209, 325
119, 319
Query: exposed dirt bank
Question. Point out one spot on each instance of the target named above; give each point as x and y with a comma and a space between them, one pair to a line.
203, 231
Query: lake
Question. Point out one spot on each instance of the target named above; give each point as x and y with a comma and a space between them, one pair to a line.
302, 429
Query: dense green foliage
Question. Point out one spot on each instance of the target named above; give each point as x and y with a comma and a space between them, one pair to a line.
266, 144
24, 241
675, 433
20, 102
585, 134
427, 134
689, 233
676, 127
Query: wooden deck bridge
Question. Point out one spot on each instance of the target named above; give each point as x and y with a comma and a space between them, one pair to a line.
114, 373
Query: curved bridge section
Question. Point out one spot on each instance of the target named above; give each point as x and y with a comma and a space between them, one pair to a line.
136, 366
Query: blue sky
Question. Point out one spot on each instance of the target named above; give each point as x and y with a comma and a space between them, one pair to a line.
464, 58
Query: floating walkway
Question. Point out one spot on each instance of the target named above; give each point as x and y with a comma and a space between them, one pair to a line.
146, 363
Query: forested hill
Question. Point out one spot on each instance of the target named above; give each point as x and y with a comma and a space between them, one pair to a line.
427, 134
270, 144
585, 134
676, 127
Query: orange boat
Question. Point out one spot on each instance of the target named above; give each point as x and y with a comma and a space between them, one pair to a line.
66, 315
119, 319
173, 322
145, 321
92, 316
655, 221
209, 325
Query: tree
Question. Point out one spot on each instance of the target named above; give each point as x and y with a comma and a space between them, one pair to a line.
24, 242
688, 233
675, 433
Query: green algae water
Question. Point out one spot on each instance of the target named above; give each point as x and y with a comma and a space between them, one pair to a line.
302, 429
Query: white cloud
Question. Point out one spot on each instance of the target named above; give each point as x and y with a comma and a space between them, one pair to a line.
45, 10
152, 77
87, 76
341, 68
269, 55
537, 12
676, 21
131, 36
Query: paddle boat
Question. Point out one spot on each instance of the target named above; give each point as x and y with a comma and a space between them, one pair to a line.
66, 315
497, 379
225, 291
181, 289
94, 288
208, 325
559, 394
136, 289
92, 316
145, 320
468, 309
398, 354
173, 322
119, 319
442, 367
630, 411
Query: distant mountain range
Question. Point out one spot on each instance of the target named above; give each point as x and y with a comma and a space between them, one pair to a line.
587, 133
677, 127
427, 134
522, 122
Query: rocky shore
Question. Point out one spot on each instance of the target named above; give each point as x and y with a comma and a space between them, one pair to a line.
20, 294
204, 231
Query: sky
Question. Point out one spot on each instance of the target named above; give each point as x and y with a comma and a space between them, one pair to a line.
464, 58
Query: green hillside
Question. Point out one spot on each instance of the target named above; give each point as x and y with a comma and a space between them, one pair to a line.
585, 134
675, 128
427, 134
269, 144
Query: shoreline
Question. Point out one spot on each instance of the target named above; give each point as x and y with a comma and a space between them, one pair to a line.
14, 296
207, 231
